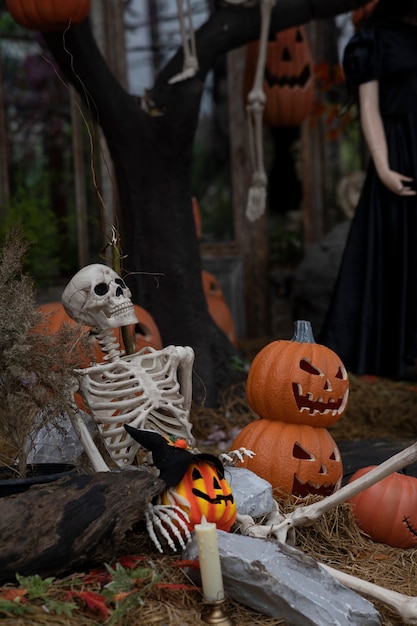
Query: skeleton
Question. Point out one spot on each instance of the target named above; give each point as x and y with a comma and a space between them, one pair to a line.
147, 390
150, 389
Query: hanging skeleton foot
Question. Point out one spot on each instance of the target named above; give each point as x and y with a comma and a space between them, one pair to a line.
190, 65
167, 521
235, 456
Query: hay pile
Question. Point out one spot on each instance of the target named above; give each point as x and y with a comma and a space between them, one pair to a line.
151, 589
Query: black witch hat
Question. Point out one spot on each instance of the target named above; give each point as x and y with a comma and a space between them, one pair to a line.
171, 460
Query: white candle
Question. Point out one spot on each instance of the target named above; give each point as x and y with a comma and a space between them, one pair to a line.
208, 554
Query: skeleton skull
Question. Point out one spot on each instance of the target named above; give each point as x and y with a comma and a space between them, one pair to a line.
96, 296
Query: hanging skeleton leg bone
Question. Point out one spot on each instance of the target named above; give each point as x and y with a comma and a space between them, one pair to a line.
190, 65
254, 113
306, 515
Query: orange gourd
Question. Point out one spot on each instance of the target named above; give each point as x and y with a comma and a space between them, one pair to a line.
298, 381
288, 77
218, 307
48, 15
296, 459
144, 334
387, 511
207, 492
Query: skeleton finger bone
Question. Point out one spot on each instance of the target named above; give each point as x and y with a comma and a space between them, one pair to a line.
405, 606
232, 457
167, 521
274, 527
305, 515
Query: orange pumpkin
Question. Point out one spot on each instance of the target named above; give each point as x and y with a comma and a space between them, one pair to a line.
218, 307
144, 334
298, 381
387, 511
207, 492
48, 15
295, 459
288, 77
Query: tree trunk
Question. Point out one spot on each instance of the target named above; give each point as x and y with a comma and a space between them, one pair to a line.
73, 523
151, 141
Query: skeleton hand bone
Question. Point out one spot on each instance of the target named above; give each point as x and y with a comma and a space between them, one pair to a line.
168, 521
234, 456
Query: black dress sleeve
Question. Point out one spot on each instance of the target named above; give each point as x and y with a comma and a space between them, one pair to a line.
362, 58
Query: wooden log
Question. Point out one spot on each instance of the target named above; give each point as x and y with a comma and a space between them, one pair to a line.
73, 523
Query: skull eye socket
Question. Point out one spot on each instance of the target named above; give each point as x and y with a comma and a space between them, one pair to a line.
101, 289
120, 282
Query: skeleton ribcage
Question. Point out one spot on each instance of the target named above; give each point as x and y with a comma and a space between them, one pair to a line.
150, 389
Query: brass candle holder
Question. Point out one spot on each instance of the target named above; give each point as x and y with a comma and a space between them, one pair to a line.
213, 613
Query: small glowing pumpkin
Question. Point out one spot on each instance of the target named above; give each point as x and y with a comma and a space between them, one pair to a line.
203, 491
48, 15
296, 459
298, 381
387, 511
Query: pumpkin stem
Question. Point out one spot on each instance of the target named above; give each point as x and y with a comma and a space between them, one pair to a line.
303, 332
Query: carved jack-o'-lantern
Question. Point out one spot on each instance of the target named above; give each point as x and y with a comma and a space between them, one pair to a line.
296, 459
288, 78
204, 491
298, 381
195, 482
387, 511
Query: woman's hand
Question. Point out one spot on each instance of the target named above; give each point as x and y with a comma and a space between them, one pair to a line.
397, 183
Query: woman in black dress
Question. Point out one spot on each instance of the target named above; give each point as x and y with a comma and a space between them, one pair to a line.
372, 319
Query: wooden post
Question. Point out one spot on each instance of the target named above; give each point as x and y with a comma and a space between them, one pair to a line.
4, 153
251, 237
79, 180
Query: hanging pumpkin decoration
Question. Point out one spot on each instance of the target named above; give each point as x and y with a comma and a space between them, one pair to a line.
218, 307
298, 381
144, 334
361, 15
48, 15
294, 458
387, 511
288, 80
195, 482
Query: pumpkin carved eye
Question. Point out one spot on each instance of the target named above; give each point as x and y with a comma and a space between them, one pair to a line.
196, 474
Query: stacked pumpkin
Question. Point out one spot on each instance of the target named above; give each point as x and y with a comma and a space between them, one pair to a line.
298, 388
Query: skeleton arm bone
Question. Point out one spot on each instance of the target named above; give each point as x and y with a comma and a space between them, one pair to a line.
305, 515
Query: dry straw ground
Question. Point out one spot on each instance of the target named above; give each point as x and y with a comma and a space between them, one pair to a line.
147, 588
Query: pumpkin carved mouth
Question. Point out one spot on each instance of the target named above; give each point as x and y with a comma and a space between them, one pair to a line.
307, 402
216, 500
301, 490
